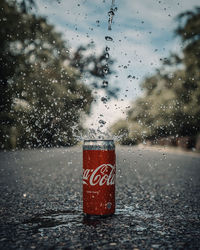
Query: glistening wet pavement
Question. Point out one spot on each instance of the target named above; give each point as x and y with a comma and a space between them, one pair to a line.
157, 196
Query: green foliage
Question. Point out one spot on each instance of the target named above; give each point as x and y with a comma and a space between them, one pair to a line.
42, 96
189, 31
170, 105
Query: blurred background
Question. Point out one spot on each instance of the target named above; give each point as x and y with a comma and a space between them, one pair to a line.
76, 69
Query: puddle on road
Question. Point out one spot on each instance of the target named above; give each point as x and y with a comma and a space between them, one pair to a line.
54, 220
74, 218
136, 213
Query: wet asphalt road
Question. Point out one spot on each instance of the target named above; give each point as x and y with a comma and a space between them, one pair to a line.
157, 195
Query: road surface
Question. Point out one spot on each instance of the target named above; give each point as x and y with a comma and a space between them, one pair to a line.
157, 196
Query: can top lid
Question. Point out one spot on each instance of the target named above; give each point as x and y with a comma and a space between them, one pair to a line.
98, 144
86, 140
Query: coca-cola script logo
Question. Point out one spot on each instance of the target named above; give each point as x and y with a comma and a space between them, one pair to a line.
104, 174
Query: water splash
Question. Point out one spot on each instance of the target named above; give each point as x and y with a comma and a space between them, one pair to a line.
97, 133
98, 128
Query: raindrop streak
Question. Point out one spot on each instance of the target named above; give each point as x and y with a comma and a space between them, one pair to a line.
99, 133
111, 14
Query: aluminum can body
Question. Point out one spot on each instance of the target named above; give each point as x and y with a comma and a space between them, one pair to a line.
99, 170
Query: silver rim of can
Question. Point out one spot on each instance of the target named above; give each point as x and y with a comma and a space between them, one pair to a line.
98, 145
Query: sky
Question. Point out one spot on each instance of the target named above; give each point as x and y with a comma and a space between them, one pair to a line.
142, 32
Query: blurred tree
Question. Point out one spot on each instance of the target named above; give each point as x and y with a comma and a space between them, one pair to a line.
122, 132
42, 97
189, 31
98, 67
171, 101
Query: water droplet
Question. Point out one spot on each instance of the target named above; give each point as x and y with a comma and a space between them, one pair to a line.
107, 48
106, 55
104, 99
111, 13
105, 84
105, 70
108, 38
102, 122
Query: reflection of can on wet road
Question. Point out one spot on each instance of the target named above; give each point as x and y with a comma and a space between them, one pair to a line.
99, 177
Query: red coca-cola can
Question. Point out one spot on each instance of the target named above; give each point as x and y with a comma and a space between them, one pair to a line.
99, 170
